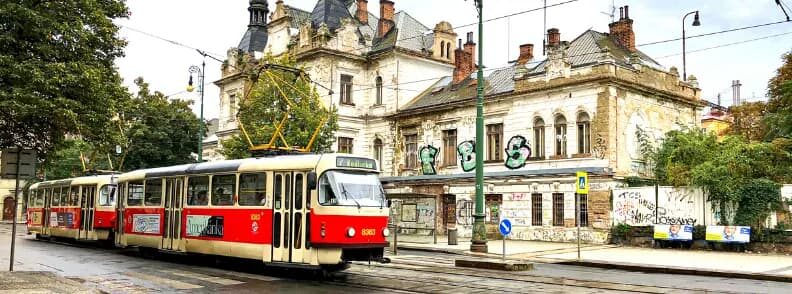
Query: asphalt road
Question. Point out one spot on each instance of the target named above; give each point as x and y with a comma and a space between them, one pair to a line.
127, 271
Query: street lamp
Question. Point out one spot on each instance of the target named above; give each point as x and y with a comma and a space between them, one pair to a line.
695, 24
200, 71
479, 240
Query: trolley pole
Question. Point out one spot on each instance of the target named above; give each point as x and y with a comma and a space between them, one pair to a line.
479, 240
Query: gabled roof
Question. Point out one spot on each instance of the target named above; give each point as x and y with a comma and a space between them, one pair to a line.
298, 16
443, 91
408, 33
329, 12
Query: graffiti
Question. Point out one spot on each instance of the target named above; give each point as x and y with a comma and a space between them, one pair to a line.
640, 206
467, 155
517, 152
464, 210
427, 156
600, 147
559, 235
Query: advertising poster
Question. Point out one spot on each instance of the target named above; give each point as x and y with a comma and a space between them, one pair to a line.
53, 219
729, 234
204, 226
673, 232
36, 218
146, 223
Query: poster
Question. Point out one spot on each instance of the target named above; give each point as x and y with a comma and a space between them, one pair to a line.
729, 234
53, 219
36, 218
146, 223
409, 213
673, 232
204, 226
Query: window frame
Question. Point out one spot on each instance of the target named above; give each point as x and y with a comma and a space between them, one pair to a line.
263, 189
378, 149
146, 192
449, 147
345, 89
539, 137
581, 201
190, 190
232, 106
411, 151
494, 137
536, 209
345, 145
212, 189
129, 193
560, 136
558, 209
378, 86
583, 133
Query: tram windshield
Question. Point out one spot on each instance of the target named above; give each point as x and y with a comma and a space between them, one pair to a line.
351, 189
107, 195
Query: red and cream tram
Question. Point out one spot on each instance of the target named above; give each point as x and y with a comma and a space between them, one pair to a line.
314, 210
79, 208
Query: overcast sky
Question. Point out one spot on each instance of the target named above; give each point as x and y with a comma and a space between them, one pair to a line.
215, 26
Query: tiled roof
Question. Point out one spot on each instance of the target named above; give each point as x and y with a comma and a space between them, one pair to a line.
408, 33
298, 16
255, 39
329, 12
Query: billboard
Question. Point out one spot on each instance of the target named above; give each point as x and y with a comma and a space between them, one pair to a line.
729, 234
673, 232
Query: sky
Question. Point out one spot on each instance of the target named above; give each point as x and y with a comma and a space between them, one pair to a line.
162, 37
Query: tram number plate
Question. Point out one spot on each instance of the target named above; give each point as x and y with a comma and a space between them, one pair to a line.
368, 232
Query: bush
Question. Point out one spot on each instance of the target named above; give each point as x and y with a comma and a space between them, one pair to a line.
699, 232
621, 230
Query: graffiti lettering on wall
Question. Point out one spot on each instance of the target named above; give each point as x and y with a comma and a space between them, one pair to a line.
517, 152
637, 206
559, 235
427, 156
464, 210
467, 155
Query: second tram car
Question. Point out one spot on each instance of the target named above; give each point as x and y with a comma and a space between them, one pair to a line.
313, 210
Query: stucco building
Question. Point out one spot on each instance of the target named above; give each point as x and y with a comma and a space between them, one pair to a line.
589, 106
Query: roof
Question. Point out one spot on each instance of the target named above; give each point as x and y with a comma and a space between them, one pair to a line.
442, 92
298, 16
329, 12
407, 33
255, 39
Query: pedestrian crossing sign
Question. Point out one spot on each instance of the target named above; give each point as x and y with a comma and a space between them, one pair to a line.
582, 184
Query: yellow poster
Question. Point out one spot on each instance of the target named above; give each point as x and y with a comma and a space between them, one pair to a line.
36, 218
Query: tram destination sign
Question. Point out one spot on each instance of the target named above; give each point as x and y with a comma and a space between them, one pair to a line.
355, 162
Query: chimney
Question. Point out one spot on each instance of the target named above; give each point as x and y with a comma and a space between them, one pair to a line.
386, 18
526, 54
621, 31
470, 48
362, 11
736, 92
463, 63
553, 37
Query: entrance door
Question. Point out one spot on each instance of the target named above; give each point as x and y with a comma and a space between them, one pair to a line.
280, 217
46, 215
87, 200
8, 208
120, 236
171, 237
288, 218
298, 210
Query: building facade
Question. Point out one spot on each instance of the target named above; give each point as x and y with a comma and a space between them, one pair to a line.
591, 105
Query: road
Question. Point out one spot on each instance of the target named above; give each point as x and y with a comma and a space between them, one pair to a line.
114, 270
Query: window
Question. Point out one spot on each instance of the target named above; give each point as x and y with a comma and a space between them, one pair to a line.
223, 188
558, 209
493, 202
135, 193
232, 107
74, 196
252, 189
379, 90
448, 50
442, 49
198, 190
53, 195
278, 191
344, 145
298, 191
411, 146
560, 136
378, 151
64, 196
536, 209
107, 195
494, 142
584, 133
583, 210
449, 147
153, 192
539, 138
346, 89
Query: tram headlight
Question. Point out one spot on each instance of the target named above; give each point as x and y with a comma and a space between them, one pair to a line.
350, 232
385, 232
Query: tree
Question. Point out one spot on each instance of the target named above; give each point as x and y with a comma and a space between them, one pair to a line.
779, 107
749, 120
265, 107
57, 74
64, 161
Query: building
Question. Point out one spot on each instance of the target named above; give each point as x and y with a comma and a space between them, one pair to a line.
716, 121
589, 106
373, 64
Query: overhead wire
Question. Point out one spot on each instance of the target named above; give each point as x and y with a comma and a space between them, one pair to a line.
726, 45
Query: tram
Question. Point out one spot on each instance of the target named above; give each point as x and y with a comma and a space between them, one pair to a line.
309, 210
81, 208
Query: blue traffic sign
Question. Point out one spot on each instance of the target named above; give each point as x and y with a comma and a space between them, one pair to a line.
505, 227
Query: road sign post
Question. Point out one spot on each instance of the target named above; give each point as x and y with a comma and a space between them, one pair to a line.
505, 228
17, 163
582, 187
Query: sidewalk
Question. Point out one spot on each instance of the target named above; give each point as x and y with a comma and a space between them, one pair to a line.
19, 282
677, 261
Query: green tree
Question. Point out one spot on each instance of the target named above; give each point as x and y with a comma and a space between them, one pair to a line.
57, 74
64, 161
265, 107
779, 107
748, 121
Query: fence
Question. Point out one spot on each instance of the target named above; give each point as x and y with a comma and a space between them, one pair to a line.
643, 206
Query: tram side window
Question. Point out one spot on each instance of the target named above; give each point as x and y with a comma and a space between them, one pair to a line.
197, 190
252, 191
56, 196
48, 196
74, 196
31, 199
278, 190
153, 192
326, 195
298, 191
223, 188
107, 195
135, 193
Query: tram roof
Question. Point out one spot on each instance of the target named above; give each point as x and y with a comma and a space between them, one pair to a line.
95, 179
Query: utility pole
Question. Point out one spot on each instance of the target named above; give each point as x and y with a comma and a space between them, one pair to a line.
479, 240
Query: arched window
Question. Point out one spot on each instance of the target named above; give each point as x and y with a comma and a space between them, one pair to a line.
378, 151
584, 133
448, 50
379, 90
442, 48
539, 138
560, 135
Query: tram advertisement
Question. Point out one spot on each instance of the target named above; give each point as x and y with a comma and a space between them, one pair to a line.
36, 218
204, 226
146, 223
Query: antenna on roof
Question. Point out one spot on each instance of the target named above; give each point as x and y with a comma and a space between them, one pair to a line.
612, 13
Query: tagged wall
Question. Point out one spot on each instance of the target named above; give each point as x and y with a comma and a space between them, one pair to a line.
642, 206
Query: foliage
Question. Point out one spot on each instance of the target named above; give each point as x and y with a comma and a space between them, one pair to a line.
65, 162
779, 107
757, 196
633, 181
621, 230
57, 74
699, 232
680, 151
265, 107
748, 121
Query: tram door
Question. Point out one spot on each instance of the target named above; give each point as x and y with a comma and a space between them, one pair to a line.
171, 237
87, 200
288, 219
46, 215
120, 237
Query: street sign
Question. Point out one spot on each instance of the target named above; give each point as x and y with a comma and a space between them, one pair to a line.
13, 161
582, 184
505, 227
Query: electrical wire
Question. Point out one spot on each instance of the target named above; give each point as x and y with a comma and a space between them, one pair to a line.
713, 33
726, 45
170, 41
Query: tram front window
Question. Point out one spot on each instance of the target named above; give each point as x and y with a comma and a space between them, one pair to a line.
107, 195
350, 189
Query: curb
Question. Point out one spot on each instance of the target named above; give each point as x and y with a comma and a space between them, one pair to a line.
437, 250
680, 271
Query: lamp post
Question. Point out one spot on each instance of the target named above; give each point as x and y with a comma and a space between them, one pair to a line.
695, 24
200, 71
479, 240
